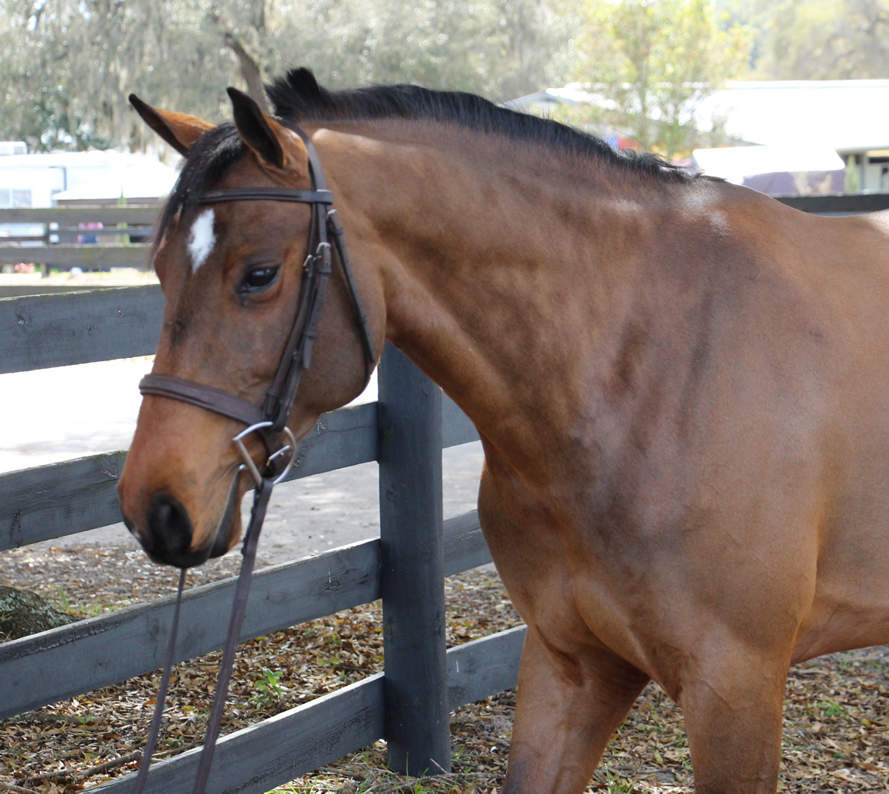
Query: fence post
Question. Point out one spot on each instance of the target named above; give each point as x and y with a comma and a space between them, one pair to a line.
415, 686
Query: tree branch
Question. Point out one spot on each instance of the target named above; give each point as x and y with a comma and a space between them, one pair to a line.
249, 66
250, 69
78, 776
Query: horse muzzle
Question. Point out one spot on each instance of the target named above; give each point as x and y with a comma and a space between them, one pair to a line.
178, 510
163, 526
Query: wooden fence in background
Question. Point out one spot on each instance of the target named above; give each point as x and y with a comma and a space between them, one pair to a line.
404, 431
54, 237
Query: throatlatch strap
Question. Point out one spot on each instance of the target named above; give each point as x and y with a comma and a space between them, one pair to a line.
335, 231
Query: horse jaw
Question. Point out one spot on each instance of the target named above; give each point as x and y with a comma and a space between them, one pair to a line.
228, 530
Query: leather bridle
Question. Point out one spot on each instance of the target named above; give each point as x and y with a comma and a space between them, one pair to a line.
271, 417
268, 420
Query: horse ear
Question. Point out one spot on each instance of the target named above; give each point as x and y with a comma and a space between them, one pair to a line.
178, 129
270, 141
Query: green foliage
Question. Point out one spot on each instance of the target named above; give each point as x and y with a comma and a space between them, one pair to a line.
267, 689
831, 710
816, 39
23, 612
67, 66
652, 61
60, 600
616, 784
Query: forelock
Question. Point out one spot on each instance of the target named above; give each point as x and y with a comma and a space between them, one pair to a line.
205, 164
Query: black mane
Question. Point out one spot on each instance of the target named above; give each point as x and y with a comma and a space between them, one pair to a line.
299, 98
207, 160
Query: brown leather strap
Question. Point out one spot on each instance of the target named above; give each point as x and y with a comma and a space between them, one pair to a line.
261, 496
276, 408
339, 243
155, 729
267, 194
207, 397
297, 355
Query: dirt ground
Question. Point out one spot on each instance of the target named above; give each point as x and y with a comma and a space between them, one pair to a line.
836, 729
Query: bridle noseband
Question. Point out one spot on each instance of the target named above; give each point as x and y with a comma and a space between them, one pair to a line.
325, 234
268, 420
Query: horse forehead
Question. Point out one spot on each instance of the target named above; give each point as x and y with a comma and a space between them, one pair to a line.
201, 238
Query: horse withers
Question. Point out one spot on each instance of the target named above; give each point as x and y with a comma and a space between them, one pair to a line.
680, 386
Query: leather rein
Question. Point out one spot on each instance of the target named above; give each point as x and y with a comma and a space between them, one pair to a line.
268, 420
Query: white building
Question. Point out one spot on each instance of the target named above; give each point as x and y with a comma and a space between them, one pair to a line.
779, 170
41, 180
849, 117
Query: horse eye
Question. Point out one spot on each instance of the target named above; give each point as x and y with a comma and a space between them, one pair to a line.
258, 278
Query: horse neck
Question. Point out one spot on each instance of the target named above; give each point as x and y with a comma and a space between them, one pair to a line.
508, 274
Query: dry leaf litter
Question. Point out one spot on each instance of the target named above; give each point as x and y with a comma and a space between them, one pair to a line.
836, 724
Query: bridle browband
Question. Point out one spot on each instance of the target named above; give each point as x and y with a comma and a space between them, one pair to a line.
268, 420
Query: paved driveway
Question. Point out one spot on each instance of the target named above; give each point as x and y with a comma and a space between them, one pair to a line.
53, 415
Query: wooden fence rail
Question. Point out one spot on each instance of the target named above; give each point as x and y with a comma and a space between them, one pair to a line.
51, 501
71, 216
120, 242
851, 204
405, 431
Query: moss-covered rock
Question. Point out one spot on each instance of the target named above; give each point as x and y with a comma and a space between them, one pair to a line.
23, 612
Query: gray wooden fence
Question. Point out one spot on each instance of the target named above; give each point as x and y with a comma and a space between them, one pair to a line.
405, 430
851, 204
53, 236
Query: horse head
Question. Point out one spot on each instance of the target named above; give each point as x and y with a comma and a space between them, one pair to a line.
232, 271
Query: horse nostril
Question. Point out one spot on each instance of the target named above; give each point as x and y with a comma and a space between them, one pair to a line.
169, 527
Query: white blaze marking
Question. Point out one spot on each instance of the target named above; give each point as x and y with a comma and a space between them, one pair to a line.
201, 239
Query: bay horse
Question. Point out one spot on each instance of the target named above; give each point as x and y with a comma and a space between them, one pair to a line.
681, 387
